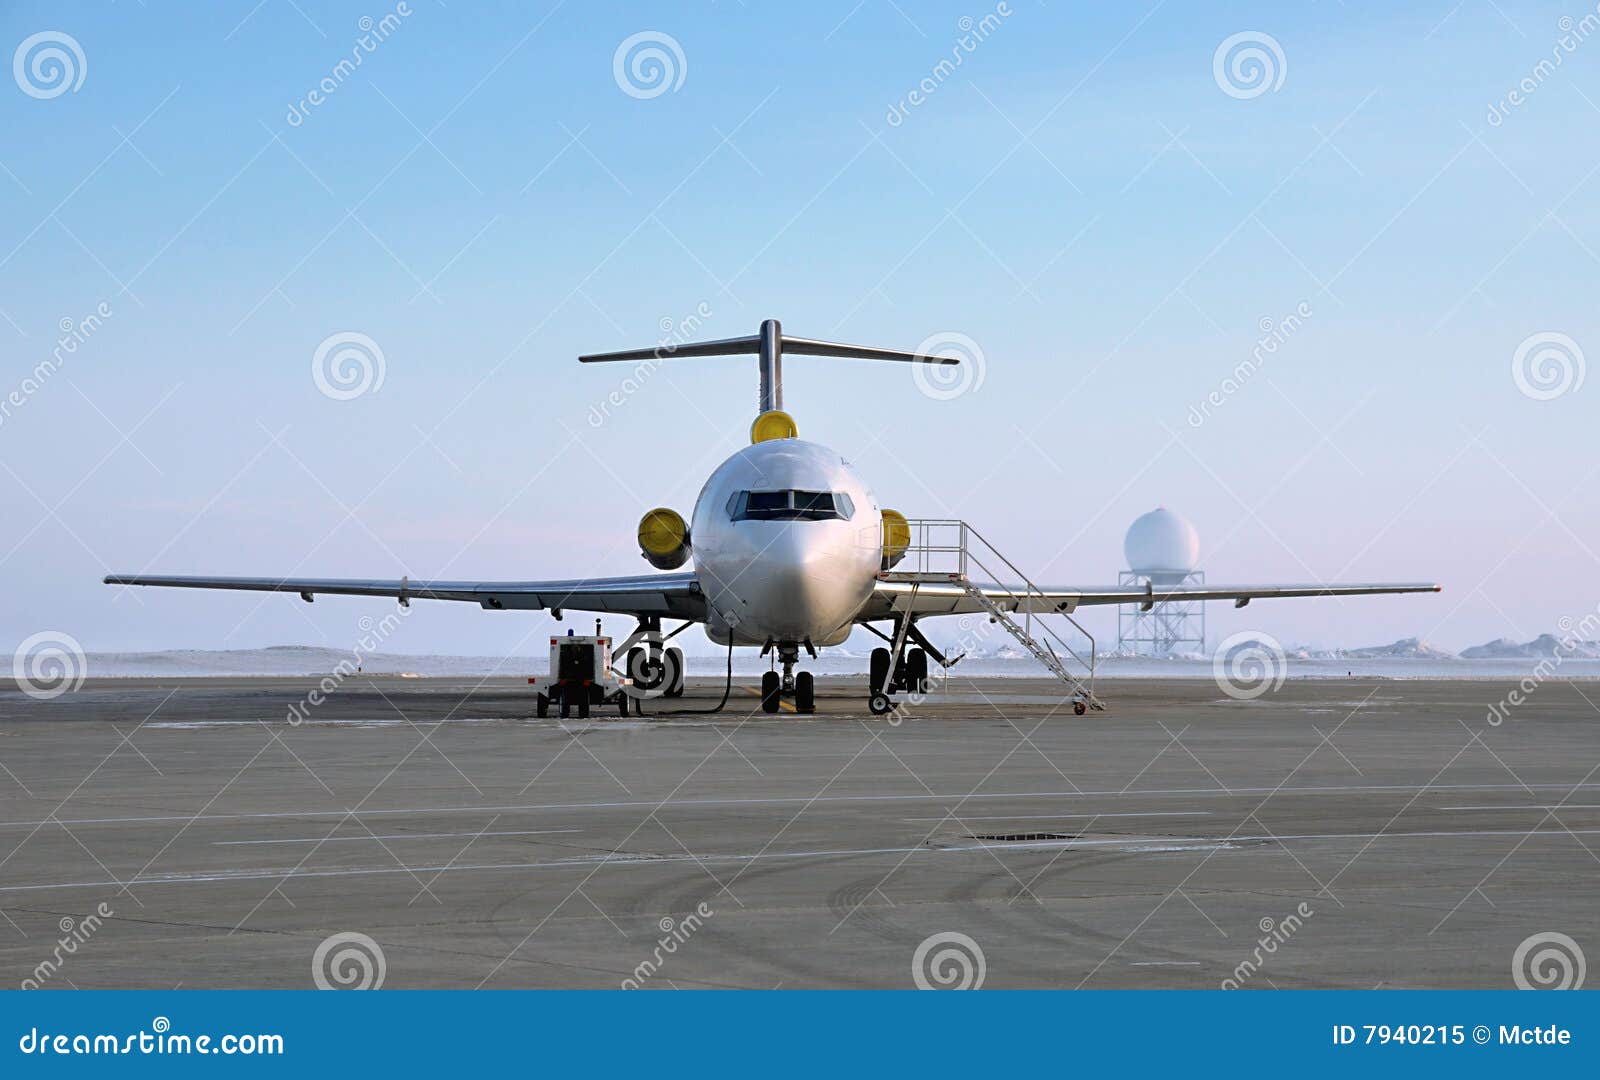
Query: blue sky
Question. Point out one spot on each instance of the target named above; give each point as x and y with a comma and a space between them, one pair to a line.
1080, 197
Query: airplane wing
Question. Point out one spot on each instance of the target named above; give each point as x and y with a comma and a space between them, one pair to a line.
675, 596
922, 597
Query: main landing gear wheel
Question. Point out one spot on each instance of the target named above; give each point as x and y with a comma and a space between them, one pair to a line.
805, 693
771, 691
878, 669
879, 703
917, 671
675, 670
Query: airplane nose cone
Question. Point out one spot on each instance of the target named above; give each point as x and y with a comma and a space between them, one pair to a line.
803, 586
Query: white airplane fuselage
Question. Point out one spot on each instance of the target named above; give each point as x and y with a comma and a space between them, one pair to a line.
795, 575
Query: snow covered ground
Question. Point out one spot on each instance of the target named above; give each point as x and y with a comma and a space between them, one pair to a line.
1400, 661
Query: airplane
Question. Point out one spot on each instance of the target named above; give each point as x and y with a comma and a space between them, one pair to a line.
791, 551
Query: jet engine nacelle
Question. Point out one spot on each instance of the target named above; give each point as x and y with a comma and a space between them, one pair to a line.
664, 538
896, 537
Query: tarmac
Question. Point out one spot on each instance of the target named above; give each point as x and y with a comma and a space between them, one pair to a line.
1329, 833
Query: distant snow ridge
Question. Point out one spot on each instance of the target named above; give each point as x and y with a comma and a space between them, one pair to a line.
1545, 645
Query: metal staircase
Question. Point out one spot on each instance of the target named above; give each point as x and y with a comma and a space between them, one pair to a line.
949, 552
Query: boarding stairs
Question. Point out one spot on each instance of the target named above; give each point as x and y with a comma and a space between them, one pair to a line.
947, 551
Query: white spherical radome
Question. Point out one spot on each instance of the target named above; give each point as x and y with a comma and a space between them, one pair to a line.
1162, 542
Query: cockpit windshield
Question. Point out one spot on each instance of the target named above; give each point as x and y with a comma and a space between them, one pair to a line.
790, 506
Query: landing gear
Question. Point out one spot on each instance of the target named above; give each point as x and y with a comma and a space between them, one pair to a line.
656, 671
675, 669
800, 687
805, 693
897, 669
917, 672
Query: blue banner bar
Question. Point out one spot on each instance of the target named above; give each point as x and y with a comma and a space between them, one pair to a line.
816, 1034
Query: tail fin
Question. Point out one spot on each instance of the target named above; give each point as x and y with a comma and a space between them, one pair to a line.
769, 344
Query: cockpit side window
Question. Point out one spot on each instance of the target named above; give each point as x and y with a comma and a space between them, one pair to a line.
790, 506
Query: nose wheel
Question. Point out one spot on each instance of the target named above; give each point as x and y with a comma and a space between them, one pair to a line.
798, 686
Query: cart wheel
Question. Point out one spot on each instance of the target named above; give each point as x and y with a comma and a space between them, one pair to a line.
1080, 707
541, 705
771, 690
805, 693
622, 704
879, 703
566, 704
583, 705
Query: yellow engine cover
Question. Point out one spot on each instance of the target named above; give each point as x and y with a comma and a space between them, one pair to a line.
664, 538
776, 424
896, 537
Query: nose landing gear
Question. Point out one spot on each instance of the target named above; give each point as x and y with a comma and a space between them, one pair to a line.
800, 687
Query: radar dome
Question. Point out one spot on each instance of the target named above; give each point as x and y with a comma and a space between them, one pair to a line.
1162, 543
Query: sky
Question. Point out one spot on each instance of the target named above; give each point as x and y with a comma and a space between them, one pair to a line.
1095, 202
